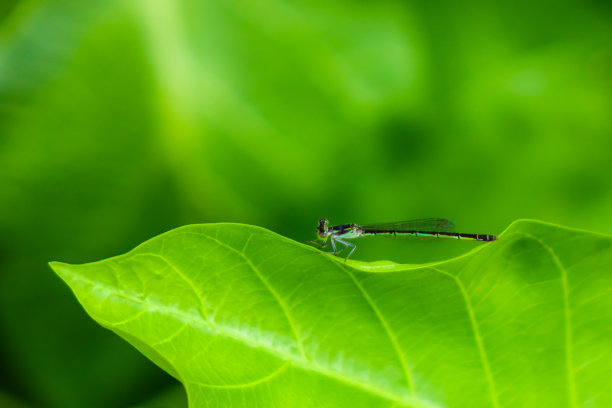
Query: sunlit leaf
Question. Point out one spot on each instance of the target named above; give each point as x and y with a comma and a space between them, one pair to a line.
244, 317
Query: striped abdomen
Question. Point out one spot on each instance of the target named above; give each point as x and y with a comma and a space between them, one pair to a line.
434, 234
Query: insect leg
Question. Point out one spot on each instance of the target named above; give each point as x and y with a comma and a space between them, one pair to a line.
333, 244
346, 245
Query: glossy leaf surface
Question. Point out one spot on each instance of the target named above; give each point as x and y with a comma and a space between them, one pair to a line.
244, 317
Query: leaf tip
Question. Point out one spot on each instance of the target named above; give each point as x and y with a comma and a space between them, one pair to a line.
58, 267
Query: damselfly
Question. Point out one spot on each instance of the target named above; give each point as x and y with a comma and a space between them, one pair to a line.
429, 227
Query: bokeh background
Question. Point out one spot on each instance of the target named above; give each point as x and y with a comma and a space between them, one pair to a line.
120, 120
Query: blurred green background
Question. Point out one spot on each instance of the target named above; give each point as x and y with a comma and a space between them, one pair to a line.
120, 120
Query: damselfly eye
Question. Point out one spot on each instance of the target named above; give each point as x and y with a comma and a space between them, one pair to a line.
323, 227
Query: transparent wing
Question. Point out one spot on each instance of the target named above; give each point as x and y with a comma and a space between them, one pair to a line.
426, 224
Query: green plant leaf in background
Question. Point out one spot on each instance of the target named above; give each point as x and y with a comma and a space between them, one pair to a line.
245, 317
120, 120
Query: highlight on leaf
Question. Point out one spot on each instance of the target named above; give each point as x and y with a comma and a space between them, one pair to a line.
245, 317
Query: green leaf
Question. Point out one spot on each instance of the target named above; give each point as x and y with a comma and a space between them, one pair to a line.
244, 317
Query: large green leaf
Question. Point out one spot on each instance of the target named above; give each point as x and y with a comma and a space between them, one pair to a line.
244, 317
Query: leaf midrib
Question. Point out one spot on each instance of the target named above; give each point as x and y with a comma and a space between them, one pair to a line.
210, 327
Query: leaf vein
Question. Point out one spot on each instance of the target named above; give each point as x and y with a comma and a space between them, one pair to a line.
477, 335
272, 291
390, 333
569, 353
253, 383
171, 337
213, 328
184, 277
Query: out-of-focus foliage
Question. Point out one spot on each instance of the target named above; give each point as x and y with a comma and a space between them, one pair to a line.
120, 120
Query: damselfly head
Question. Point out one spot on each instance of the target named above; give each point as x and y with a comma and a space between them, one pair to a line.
323, 228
